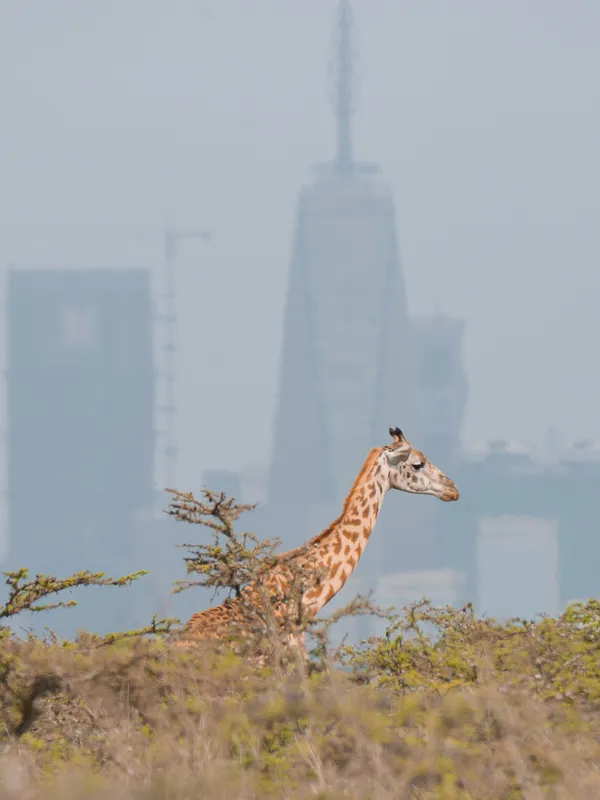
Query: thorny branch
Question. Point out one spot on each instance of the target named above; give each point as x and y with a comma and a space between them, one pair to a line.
24, 594
232, 565
217, 507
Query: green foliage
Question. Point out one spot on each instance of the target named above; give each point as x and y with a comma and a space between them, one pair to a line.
24, 594
157, 627
233, 559
558, 659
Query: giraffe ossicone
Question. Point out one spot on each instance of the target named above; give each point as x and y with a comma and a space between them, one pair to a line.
331, 555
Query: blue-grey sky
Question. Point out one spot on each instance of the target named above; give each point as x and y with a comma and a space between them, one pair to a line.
120, 116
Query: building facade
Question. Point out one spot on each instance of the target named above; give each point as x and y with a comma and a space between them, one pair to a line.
80, 416
529, 539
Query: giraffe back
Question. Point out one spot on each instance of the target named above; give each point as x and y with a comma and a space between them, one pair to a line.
277, 594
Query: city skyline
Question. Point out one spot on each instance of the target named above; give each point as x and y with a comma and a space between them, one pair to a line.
381, 354
494, 194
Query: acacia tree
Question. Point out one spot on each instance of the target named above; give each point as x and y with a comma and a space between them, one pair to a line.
234, 562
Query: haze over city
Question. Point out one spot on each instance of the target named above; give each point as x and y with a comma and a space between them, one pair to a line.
118, 118
121, 121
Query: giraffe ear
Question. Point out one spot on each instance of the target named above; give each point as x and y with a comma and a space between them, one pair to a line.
397, 434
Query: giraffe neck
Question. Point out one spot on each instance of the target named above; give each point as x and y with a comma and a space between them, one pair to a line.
339, 547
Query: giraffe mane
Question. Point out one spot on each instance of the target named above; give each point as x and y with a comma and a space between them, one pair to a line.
366, 468
372, 456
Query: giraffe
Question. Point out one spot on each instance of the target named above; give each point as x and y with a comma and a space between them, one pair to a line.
332, 555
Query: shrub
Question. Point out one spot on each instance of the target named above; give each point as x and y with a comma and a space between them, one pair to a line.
444, 705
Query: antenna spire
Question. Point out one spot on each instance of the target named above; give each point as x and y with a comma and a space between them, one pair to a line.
342, 69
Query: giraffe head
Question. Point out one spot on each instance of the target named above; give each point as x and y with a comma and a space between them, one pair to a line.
410, 471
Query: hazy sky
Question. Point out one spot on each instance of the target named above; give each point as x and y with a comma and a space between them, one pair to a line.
120, 115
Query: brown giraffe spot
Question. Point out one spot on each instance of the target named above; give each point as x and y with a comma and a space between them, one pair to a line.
346, 549
354, 522
328, 560
366, 512
333, 572
354, 536
337, 545
330, 594
352, 562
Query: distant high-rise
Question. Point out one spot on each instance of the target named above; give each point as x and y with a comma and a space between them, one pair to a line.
441, 386
345, 365
80, 415
441, 390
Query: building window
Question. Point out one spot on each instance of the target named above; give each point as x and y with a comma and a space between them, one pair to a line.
78, 329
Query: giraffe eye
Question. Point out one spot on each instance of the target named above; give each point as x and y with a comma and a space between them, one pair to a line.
419, 466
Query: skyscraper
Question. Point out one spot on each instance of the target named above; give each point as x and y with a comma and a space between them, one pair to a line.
441, 386
344, 372
441, 390
80, 428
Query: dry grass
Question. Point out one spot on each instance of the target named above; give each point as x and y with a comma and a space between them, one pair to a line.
480, 710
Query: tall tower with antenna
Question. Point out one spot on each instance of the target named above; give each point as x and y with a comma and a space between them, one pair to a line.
342, 97
345, 367
342, 68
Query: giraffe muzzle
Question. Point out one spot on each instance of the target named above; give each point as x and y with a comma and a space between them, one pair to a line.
450, 495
